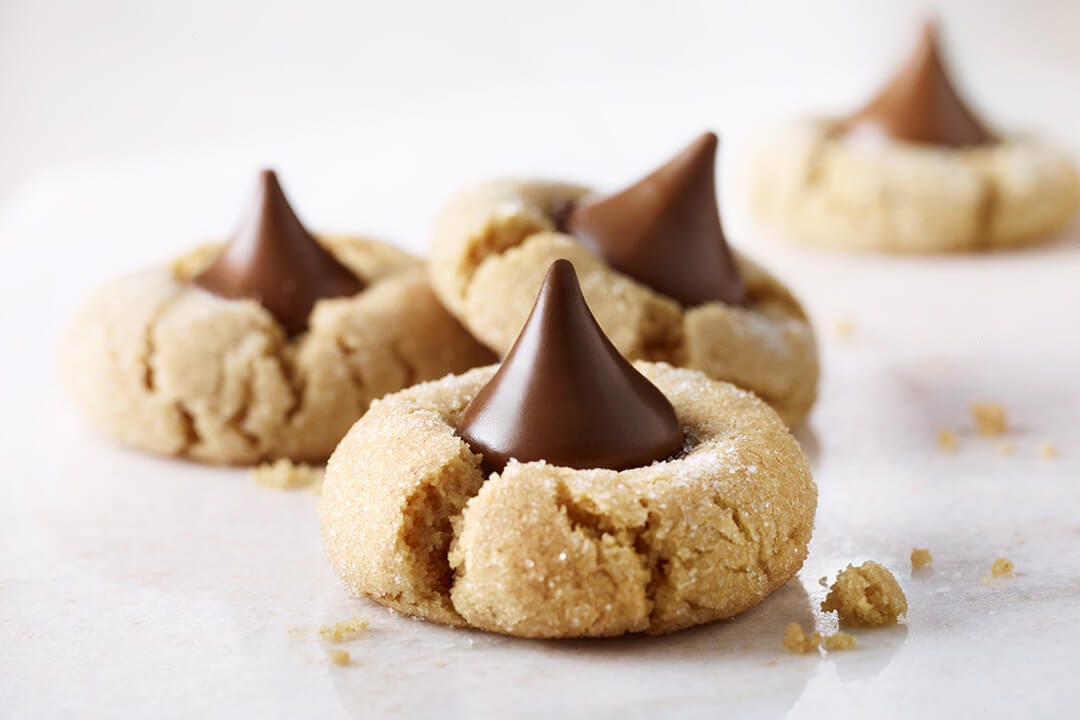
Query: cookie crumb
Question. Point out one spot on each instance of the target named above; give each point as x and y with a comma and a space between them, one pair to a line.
287, 475
946, 440
1001, 566
867, 595
344, 631
844, 329
1048, 450
823, 581
840, 641
1007, 448
920, 557
340, 657
990, 418
796, 641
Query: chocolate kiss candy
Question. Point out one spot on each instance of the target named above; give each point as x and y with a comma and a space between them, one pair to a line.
665, 231
564, 394
920, 104
274, 260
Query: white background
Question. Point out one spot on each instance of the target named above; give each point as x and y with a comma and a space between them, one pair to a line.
108, 82
132, 586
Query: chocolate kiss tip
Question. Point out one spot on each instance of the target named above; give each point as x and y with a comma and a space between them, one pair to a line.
920, 104
274, 260
665, 230
565, 395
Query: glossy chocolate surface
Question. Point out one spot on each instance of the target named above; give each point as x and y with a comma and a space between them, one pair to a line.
664, 231
564, 394
274, 260
920, 104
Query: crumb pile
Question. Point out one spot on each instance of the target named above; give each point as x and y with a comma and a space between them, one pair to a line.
1001, 566
990, 419
344, 631
867, 595
920, 557
946, 440
797, 641
287, 475
339, 657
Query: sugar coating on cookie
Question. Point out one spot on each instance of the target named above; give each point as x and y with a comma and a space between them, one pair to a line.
409, 518
903, 198
913, 171
867, 595
164, 366
493, 243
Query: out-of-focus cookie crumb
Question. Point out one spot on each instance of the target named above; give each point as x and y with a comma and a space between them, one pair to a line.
1001, 566
946, 440
1007, 448
840, 641
920, 557
1048, 450
844, 329
339, 657
344, 631
287, 475
823, 581
867, 595
990, 418
798, 641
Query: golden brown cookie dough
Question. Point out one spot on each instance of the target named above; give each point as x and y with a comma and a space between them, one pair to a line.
897, 197
867, 595
1001, 566
409, 519
345, 630
920, 558
160, 364
493, 244
990, 418
797, 641
284, 474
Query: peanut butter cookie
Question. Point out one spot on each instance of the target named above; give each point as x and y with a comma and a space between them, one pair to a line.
270, 347
913, 171
460, 501
655, 268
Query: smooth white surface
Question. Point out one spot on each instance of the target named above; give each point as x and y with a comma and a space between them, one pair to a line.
132, 586
91, 82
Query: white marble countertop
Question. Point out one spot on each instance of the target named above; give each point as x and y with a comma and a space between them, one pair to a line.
132, 586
